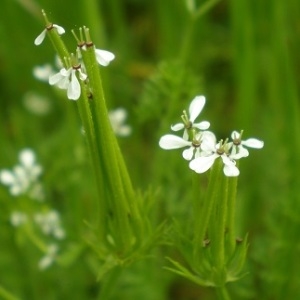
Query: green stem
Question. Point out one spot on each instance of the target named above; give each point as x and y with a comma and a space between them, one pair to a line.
231, 208
222, 293
88, 125
56, 40
5, 295
203, 9
218, 224
110, 153
202, 217
108, 285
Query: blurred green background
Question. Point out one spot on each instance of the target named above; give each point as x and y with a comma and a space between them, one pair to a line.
242, 55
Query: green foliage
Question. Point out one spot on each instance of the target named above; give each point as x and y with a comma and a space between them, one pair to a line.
243, 56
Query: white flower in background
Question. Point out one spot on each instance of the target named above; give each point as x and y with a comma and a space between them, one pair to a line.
195, 109
67, 79
43, 72
170, 142
42, 35
37, 104
47, 260
238, 145
204, 163
18, 218
117, 119
24, 176
50, 224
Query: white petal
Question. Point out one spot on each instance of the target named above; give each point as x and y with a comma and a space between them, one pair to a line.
186, 135
170, 141
104, 57
27, 158
196, 107
227, 161
43, 72
238, 152
208, 143
63, 83
59, 29
74, 87
82, 75
208, 135
231, 170
7, 177
66, 73
235, 135
202, 125
188, 153
253, 143
203, 163
177, 126
54, 79
40, 37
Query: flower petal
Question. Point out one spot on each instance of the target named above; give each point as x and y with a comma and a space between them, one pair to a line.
54, 79
202, 125
59, 29
170, 141
104, 57
253, 143
231, 170
196, 107
74, 87
203, 163
188, 153
177, 126
238, 152
7, 177
40, 37
27, 158
235, 135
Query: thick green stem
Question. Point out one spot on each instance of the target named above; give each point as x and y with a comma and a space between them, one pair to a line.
202, 217
88, 125
218, 223
56, 40
231, 208
222, 293
118, 180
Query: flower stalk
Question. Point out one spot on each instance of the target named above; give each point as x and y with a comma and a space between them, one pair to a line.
118, 222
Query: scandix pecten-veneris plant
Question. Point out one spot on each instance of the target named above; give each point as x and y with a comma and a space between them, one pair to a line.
121, 231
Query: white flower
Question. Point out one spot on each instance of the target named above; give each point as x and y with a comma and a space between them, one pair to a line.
18, 218
170, 141
203, 163
67, 79
47, 260
49, 223
42, 35
37, 104
104, 57
24, 176
117, 118
43, 72
195, 109
238, 150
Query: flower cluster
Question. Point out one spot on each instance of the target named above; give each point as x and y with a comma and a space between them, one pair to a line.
73, 68
202, 146
24, 177
117, 119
